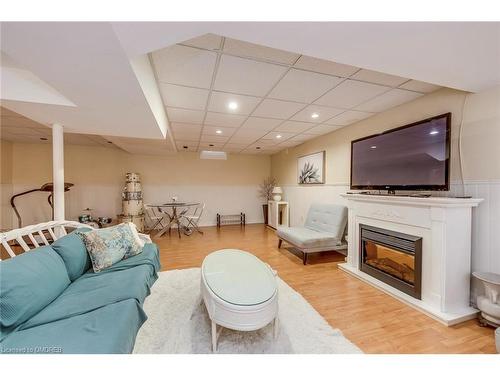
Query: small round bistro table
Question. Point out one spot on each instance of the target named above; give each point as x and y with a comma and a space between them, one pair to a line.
174, 217
240, 292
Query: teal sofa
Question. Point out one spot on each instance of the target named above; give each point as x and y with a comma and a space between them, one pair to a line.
51, 300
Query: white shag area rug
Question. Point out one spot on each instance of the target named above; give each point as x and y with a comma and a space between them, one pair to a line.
178, 323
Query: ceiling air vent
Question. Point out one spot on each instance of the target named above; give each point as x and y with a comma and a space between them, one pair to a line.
213, 155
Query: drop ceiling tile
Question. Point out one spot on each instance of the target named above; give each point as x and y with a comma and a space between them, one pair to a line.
302, 86
215, 146
186, 132
194, 128
212, 130
322, 129
419, 86
303, 137
273, 136
279, 109
322, 113
348, 117
185, 115
294, 126
191, 146
251, 151
269, 152
350, 94
185, 66
245, 49
242, 136
267, 142
186, 137
224, 119
187, 149
219, 103
379, 78
290, 143
261, 124
234, 147
388, 100
207, 41
260, 145
186, 143
213, 138
183, 97
325, 66
245, 76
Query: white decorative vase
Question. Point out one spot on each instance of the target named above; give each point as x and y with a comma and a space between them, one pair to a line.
277, 197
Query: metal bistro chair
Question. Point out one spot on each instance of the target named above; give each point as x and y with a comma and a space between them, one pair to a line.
192, 220
155, 218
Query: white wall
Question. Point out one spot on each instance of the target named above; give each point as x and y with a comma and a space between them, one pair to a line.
99, 175
481, 162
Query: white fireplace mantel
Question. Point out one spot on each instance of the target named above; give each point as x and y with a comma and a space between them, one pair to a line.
445, 227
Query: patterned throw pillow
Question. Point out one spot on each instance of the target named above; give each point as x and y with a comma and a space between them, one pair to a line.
110, 245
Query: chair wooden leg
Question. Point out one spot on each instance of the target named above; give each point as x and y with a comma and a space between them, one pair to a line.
304, 258
279, 243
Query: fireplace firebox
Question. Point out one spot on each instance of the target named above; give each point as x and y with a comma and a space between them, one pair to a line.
392, 257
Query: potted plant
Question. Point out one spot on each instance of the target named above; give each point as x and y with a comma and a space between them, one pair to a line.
266, 193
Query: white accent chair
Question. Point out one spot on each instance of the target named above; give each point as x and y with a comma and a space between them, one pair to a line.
323, 230
193, 220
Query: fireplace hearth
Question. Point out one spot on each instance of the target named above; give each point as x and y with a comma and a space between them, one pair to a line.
392, 257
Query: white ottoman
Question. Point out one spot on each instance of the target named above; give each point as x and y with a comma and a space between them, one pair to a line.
240, 292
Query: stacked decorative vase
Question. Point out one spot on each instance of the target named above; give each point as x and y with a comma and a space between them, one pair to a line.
132, 206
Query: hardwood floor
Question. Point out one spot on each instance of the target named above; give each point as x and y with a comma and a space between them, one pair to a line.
374, 321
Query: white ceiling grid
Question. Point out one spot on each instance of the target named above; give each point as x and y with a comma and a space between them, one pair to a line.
283, 98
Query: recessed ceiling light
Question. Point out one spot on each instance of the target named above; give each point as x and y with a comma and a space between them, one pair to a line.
373, 147
232, 105
314, 115
279, 136
218, 131
434, 132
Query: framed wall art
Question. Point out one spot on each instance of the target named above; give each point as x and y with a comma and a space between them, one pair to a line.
311, 168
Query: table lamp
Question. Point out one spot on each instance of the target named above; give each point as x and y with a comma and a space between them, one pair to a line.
277, 191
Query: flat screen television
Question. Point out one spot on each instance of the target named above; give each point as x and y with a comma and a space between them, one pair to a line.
411, 157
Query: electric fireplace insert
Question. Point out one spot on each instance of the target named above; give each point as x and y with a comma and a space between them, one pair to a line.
392, 257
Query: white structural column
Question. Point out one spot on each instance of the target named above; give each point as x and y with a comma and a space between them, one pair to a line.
58, 170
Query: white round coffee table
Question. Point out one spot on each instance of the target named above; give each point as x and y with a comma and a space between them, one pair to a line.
240, 292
